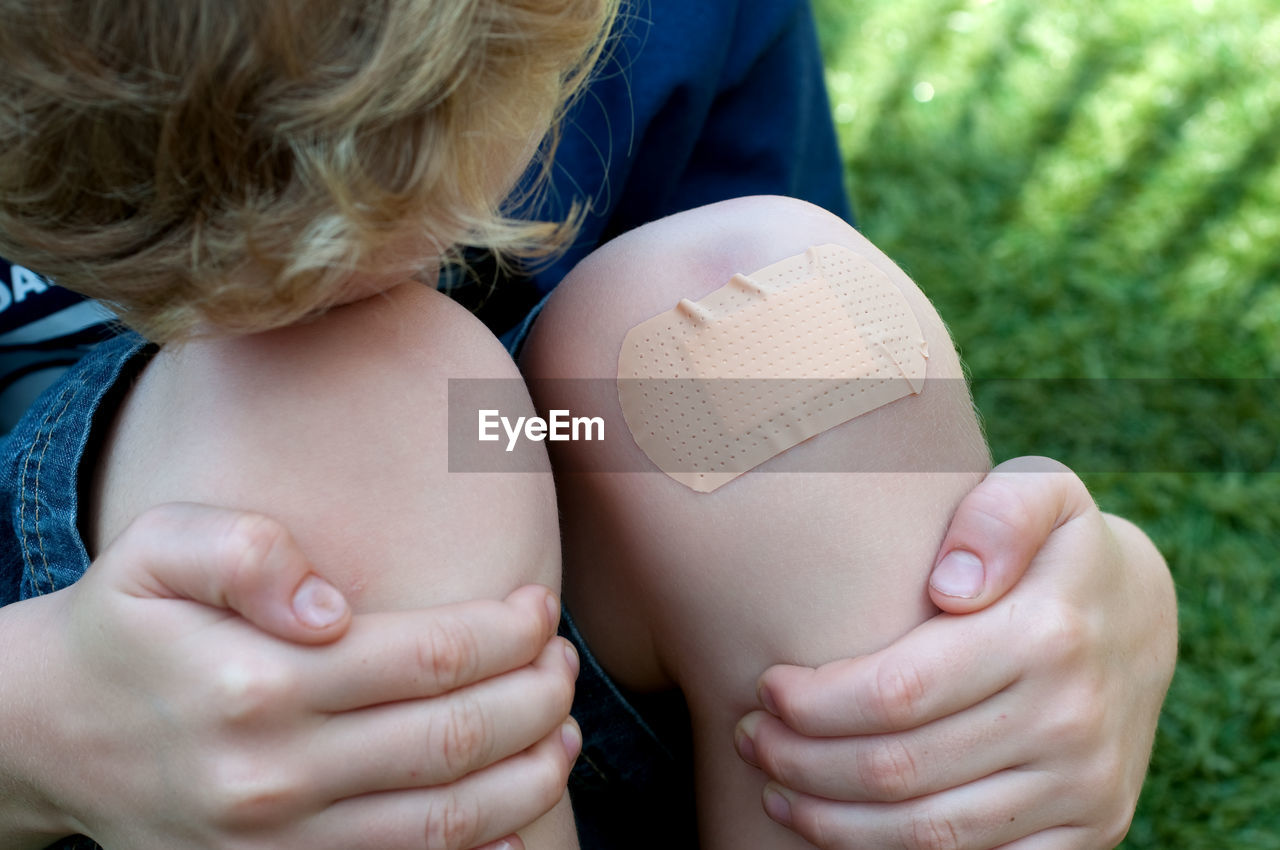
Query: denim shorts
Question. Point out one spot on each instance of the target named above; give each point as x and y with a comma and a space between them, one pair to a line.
632, 785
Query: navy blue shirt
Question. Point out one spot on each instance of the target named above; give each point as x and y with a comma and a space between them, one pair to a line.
697, 101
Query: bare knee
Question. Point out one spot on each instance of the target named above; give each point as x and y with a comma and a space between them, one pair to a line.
338, 429
765, 547
452, 531
687, 255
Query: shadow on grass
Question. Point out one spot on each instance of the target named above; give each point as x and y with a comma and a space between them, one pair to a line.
941, 188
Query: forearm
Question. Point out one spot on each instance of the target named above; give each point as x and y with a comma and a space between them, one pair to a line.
28, 817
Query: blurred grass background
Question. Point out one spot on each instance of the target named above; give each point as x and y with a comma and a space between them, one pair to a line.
1092, 190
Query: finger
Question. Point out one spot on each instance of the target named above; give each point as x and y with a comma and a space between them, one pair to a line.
941, 667
996, 810
245, 562
412, 654
481, 808
420, 743
1063, 838
944, 754
999, 527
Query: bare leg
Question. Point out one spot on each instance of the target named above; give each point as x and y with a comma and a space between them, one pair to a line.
337, 428
707, 590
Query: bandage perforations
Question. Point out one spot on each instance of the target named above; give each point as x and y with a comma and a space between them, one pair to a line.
714, 388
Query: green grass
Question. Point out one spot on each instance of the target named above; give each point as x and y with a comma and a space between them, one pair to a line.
1092, 190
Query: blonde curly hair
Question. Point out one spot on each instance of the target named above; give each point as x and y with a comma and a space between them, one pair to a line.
152, 150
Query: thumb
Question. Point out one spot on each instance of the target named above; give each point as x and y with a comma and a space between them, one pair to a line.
244, 562
998, 529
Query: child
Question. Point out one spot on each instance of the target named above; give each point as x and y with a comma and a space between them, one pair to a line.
702, 593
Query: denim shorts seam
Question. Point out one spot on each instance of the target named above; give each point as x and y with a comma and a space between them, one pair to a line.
44, 438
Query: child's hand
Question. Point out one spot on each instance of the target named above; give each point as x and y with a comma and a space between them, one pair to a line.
174, 717
1031, 717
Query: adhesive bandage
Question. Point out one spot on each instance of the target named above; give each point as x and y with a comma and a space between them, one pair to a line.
716, 387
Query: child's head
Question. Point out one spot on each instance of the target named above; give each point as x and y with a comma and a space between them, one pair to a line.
230, 163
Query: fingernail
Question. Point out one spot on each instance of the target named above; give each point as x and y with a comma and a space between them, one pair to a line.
572, 740
553, 611
503, 844
571, 655
776, 805
746, 746
317, 603
766, 699
959, 574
